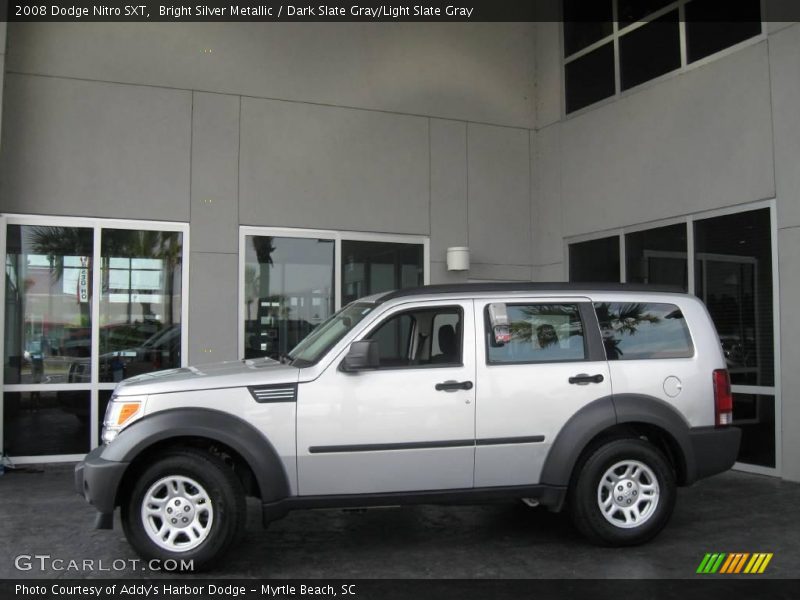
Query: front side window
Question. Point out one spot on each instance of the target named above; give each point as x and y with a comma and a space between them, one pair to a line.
539, 333
420, 338
636, 330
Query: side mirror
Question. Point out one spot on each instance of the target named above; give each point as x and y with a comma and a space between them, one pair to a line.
500, 325
361, 356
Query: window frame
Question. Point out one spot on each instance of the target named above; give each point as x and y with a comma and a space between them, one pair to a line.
450, 308
582, 316
618, 32
97, 225
775, 390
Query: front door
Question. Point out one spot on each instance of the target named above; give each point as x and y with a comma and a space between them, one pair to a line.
408, 425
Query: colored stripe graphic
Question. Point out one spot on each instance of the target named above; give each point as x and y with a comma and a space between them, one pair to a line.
764, 564
734, 563
729, 562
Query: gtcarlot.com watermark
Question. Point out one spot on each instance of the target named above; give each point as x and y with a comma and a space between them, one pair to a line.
47, 562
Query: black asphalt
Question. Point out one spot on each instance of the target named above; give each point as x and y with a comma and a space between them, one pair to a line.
40, 514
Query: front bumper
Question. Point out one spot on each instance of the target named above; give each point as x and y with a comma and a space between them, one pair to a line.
715, 449
97, 480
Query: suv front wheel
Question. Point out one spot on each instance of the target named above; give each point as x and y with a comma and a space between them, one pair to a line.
189, 505
624, 493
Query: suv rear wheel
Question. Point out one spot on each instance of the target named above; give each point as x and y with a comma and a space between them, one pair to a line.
624, 493
189, 505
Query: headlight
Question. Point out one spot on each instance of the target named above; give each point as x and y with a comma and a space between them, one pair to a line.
120, 413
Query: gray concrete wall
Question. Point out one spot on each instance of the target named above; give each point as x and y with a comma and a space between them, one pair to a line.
379, 128
784, 49
721, 134
479, 72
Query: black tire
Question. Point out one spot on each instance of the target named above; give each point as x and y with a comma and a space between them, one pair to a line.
584, 499
224, 491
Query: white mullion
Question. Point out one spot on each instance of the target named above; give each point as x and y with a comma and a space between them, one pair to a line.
776, 340
617, 61
185, 264
337, 272
240, 310
3, 226
690, 265
95, 342
623, 270
682, 34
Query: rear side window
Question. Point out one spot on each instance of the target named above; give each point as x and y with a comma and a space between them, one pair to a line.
635, 331
539, 333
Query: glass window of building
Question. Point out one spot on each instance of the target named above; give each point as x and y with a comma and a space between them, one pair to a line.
48, 315
733, 276
590, 78
650, 51
288, 291
60, 364
657, 256
586, 23
603, 57
595, 261
373, 267
140, 304
706, 35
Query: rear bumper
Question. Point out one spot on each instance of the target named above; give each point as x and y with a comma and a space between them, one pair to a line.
97, 480
714, 448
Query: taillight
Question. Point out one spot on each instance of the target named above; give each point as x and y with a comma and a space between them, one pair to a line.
723, 399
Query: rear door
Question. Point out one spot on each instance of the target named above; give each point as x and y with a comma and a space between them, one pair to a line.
530, 386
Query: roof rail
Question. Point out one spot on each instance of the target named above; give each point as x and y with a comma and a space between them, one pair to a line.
528, 286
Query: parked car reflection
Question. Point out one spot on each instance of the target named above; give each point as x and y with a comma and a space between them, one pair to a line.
162, 350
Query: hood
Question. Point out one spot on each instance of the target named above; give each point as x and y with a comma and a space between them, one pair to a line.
235, 373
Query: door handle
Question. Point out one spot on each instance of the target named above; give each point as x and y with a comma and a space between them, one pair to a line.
584, 379
452, 386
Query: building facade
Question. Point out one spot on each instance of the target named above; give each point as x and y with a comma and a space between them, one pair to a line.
180, 193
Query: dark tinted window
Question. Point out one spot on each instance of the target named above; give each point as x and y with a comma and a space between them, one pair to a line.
706, 33
657, 256
539, 333
733, 276
650, 50
595, 261
630, 11
590, 78
637, 331
374, 267
44, 423
585, 23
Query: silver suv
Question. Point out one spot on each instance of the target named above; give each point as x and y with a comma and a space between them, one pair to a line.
598, 399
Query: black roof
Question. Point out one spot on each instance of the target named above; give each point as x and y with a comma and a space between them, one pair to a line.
528, 286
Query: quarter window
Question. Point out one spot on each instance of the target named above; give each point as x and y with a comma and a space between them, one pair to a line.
635, 330
539, 333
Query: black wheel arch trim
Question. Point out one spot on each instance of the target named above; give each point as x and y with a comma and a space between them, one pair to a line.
217, 426
610, 411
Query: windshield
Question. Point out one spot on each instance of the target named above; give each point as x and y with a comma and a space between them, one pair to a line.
328, 334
